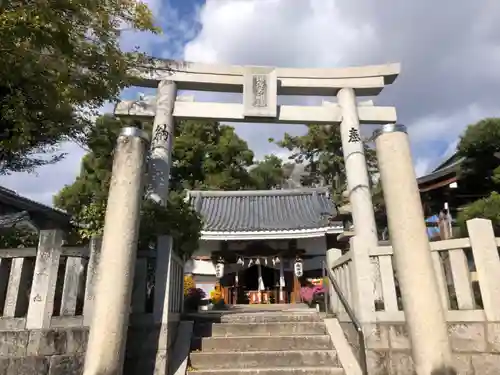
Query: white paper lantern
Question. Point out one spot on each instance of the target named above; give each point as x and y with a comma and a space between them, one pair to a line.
298, 269
219, 270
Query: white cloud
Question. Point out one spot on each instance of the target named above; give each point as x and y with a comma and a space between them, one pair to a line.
449, 53
48, 180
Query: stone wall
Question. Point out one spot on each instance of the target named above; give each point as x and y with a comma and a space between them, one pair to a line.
476, 347
61, 351
42, 352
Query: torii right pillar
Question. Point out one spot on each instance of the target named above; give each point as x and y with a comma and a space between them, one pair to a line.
425, 316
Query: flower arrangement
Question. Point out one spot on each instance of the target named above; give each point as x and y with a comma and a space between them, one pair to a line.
308, 293
216, 297
313, 293
188, 284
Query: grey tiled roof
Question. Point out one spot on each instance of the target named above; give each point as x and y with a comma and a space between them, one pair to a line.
266, 210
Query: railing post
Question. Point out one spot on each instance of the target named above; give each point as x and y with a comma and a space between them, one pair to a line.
41, 302
73, 278
95, 255
485, 251
331, 256
162, 302
16, 300
361, 280
140, 286
162, 279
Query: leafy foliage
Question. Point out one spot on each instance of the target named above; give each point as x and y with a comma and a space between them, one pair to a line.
206, 155
60, 62
321, 149
17, 237
480, 171
268, 173
486, 208
480, 145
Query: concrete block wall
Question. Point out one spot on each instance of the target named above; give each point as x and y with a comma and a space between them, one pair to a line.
475, 345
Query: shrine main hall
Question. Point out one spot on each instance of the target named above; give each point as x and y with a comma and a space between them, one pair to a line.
252, 241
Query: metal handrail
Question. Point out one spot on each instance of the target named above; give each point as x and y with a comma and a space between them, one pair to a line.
350, 312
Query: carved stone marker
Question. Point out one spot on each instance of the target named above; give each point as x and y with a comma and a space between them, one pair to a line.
260, 92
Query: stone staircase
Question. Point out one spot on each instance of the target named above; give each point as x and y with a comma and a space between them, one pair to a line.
265, 343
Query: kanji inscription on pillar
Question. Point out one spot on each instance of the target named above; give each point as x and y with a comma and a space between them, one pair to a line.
260, 92
161, 134
354, 136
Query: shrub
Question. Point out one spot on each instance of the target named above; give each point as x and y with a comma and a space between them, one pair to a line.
485, 208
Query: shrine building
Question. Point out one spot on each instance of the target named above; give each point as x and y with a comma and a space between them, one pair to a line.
260, 245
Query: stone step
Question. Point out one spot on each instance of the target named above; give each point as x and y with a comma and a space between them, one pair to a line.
263, 359
270, 317
274, 371
273, 343
261, 329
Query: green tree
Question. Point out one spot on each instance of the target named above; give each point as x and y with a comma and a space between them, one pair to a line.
268, 173
60, 62
480, 171
321, 150
480, 146
208, 155
205, 156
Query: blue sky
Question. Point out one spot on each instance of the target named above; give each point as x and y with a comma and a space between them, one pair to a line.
449, 51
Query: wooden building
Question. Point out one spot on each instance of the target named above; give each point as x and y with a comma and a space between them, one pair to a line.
257, 237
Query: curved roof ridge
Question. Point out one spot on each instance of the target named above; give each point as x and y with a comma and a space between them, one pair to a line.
247, 193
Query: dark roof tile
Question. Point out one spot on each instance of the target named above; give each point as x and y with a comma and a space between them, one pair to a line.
266, 210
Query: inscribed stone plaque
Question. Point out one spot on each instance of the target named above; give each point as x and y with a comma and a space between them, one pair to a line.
260, 92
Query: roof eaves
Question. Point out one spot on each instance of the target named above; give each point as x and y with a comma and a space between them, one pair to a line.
248, 193
25, 204
452, 168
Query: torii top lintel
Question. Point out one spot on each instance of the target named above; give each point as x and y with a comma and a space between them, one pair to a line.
261, 87
365, 80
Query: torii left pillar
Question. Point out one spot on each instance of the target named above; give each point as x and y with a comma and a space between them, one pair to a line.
162, 142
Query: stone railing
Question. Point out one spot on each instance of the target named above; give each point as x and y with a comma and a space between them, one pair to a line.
467, 272
466, 269
46, 303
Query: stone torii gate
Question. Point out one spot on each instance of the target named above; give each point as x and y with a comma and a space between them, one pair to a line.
261, 87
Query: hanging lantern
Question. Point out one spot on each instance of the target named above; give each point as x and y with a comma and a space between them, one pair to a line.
277, 260
219, 269
257, 261
250, 262
298, 268
240, 262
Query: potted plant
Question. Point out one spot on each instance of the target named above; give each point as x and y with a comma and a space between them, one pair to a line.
217, 299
